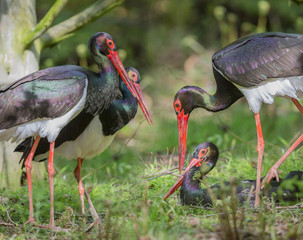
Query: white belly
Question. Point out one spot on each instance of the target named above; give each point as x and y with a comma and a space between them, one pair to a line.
90, 143
291, 87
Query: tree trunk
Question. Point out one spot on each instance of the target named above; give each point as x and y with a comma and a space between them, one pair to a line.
16, 18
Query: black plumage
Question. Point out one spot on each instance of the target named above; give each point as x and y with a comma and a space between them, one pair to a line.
191, 192
205, 159
253, 59
117, 115
48, 93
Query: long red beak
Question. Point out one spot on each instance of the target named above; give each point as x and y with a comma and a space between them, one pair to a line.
178, 183
142, 104
114, 57
182, 132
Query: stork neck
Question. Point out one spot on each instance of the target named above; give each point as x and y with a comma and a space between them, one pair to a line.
119, 113
226, 94
191, 191
192, 179
102, 87
105, 66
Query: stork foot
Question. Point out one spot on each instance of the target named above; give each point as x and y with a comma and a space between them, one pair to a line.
56, 229
59, 229
31, 220
99, 225
272, 173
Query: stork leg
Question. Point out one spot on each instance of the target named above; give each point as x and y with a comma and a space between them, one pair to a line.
77, 174
82, 192
298, 105
260, 149
273, 170
51, 173
28, 167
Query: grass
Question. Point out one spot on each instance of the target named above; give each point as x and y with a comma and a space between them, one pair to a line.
131, 202
127, 192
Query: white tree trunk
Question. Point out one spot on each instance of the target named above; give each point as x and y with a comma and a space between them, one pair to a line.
16, 17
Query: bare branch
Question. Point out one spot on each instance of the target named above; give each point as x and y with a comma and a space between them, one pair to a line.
64, 29
163, 173
6, 224
44, 23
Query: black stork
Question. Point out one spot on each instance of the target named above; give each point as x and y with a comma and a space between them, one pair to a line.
259, 67
87, 136
204, 160
42, 103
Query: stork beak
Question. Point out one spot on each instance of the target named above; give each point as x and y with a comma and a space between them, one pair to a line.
142, 103
178, 183
182, 133
115, 59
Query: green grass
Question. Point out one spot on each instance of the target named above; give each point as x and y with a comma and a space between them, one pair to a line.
132, 206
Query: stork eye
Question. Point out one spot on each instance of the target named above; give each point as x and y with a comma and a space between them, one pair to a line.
110, 44
134, 77
202, 152
177, 105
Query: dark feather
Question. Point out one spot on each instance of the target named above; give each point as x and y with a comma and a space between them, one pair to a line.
25, 147
253, 59
48, 93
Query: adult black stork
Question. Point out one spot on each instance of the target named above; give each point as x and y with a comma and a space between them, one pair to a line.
205, 159
87, 136
42, 103
259, 67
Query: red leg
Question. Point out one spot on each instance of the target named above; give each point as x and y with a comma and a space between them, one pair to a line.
273, 171
51, 173
260, 149
77, 174
298, 105
28, 167
93, 211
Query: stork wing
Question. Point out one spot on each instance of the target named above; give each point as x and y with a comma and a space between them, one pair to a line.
253, 59
45, 94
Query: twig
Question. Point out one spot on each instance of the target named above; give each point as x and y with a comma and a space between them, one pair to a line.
44, 23
294, 207
168, 171
131, 137
7, 214
103, 166
64, 29
224, 128
6, 224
